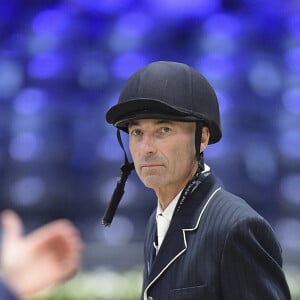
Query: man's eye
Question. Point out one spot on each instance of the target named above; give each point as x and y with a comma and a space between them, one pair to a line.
135, 132
165, 129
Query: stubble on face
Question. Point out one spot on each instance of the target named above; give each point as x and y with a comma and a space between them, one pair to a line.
164, 155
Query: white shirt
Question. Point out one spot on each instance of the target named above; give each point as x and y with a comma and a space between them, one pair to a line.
163, 219
164, 216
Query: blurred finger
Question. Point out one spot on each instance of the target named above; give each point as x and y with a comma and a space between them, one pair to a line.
12, 226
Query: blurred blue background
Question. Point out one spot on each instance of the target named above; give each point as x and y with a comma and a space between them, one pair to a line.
63, 64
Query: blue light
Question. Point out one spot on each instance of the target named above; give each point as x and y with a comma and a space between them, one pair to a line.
292, 58
111, 101
42, 43
119, 42
28, 191
289, 143
11, 78
8, 12
265, 78
121, 231
215, 66
134, 24
217, 151
225, 102
30, 101
104, 6
50, 22
46, 65
93, 74
287, 230
218, 44
220, 33
108, 148
291, 100
222, 25
112, 6
25, 147
293, 25
260, 162
290, 188
126, 64
175, 8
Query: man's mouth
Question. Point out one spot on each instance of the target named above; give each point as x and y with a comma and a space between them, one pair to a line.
151, 165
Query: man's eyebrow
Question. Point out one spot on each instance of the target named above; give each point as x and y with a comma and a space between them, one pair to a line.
158, 121
162, 121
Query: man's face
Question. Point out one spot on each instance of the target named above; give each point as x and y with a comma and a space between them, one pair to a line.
163, 154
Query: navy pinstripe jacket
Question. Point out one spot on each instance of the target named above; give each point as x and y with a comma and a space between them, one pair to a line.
216, 248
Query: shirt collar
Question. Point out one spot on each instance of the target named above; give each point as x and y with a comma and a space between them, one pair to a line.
169, 210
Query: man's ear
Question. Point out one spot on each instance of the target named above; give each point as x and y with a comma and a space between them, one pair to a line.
204, 138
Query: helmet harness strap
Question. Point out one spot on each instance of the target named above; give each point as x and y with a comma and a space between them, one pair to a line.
198, 137
119, 189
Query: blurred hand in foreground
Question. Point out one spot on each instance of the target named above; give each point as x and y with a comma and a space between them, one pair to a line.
41, 259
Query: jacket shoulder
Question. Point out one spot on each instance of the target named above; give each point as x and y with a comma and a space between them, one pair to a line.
233, 207
228, 213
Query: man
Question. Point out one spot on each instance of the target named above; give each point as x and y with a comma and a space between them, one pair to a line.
202, 242
43, 258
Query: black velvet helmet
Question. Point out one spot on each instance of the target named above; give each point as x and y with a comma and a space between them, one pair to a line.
167, 90
163, 90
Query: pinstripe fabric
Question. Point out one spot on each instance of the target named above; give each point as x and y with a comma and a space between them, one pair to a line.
217, 248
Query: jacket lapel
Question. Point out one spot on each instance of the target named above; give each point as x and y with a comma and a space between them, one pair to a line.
187, 217
150, 251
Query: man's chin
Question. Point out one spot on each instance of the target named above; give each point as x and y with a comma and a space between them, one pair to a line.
152, 181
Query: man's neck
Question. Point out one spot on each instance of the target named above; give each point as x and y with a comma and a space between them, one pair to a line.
165, 195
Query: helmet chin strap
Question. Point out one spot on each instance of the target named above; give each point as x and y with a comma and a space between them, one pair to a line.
119, 189
198, 137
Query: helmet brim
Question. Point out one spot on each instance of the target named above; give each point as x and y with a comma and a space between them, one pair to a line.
120, 114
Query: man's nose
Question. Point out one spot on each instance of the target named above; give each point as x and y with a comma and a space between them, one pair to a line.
148, 145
